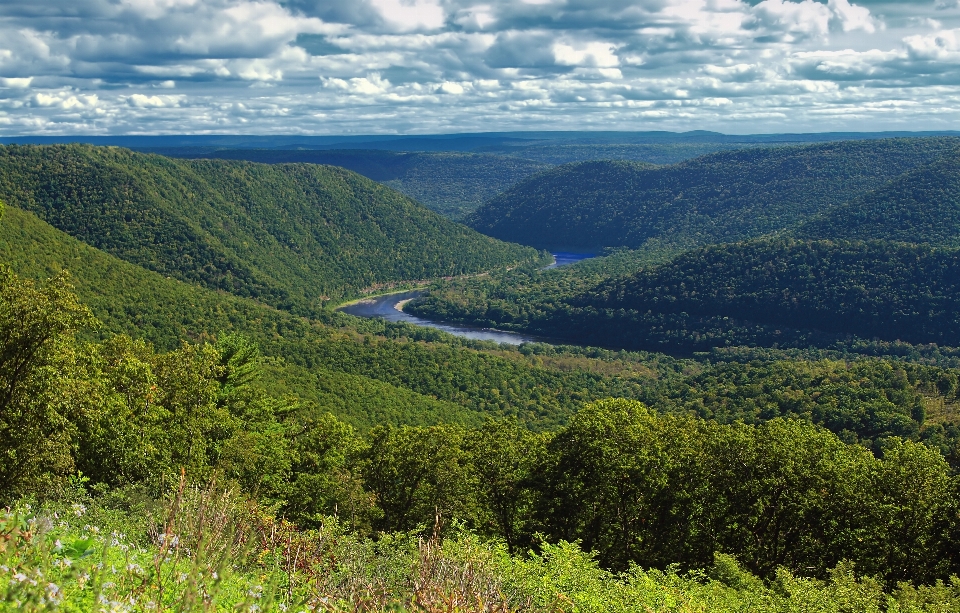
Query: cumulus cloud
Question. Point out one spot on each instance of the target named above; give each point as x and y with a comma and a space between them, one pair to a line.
334, 66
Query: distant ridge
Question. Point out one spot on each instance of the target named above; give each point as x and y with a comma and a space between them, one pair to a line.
721, 197
447, 142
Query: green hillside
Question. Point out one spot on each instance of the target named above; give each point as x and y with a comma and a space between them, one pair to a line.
286, 235
411, 373
722, 197
876, 289
767, 293
237, 455
921, 206
451, 183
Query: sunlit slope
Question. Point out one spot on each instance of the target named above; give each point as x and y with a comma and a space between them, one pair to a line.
722, 197
144, 304
921, 206
287, 235
419, 375
453, 184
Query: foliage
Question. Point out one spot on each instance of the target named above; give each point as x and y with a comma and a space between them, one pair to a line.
721, 197
452, 184
922, 206
778, 292
74, 557
35, 417
291, 236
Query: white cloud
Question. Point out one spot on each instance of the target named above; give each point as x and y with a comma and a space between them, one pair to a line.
16, 82
154, 102
792, 19
852, 17
596, 54
407, 15
427, 65
452, 88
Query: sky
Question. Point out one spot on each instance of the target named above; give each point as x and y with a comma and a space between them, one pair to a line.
453, 66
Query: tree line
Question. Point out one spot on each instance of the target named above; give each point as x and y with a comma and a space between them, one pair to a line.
632, 484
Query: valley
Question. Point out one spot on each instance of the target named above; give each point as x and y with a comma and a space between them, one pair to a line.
727, 368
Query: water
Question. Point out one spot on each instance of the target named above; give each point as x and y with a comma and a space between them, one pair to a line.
563, 258
387, 307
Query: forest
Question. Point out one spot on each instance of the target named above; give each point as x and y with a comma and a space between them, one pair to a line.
721, 197
639, 488
451, 183
766, 424
252, 230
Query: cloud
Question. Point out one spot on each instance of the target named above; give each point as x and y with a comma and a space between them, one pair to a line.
16, 82
156, 102
334, 66
596, 54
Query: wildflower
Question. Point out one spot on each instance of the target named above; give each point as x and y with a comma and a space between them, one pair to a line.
79, 509
19, 577
58, 545
54, 594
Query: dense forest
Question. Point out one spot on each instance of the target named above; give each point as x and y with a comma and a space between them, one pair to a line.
769, 425
291, 236
921, 206
778, 292
626, 482
722, 197
453, 184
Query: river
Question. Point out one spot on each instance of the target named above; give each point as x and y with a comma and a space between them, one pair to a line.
390, 306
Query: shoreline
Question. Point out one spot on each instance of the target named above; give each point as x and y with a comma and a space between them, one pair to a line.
377, 295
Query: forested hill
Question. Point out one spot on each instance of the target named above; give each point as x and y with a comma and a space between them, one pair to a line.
722, 197
769, 292
453, 184
921, 206
287, 235
890, 291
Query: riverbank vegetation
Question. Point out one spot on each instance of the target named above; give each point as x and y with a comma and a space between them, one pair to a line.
174, 443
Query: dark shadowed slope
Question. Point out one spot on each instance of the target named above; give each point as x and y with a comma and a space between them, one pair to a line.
722, 197
921, 206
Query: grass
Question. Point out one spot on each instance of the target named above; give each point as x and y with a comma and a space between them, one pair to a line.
209, 549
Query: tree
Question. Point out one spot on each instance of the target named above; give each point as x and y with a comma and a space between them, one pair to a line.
37, 326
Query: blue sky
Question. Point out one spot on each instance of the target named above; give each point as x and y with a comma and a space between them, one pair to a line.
441, 66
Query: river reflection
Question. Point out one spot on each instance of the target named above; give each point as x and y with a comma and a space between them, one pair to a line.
389, 307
